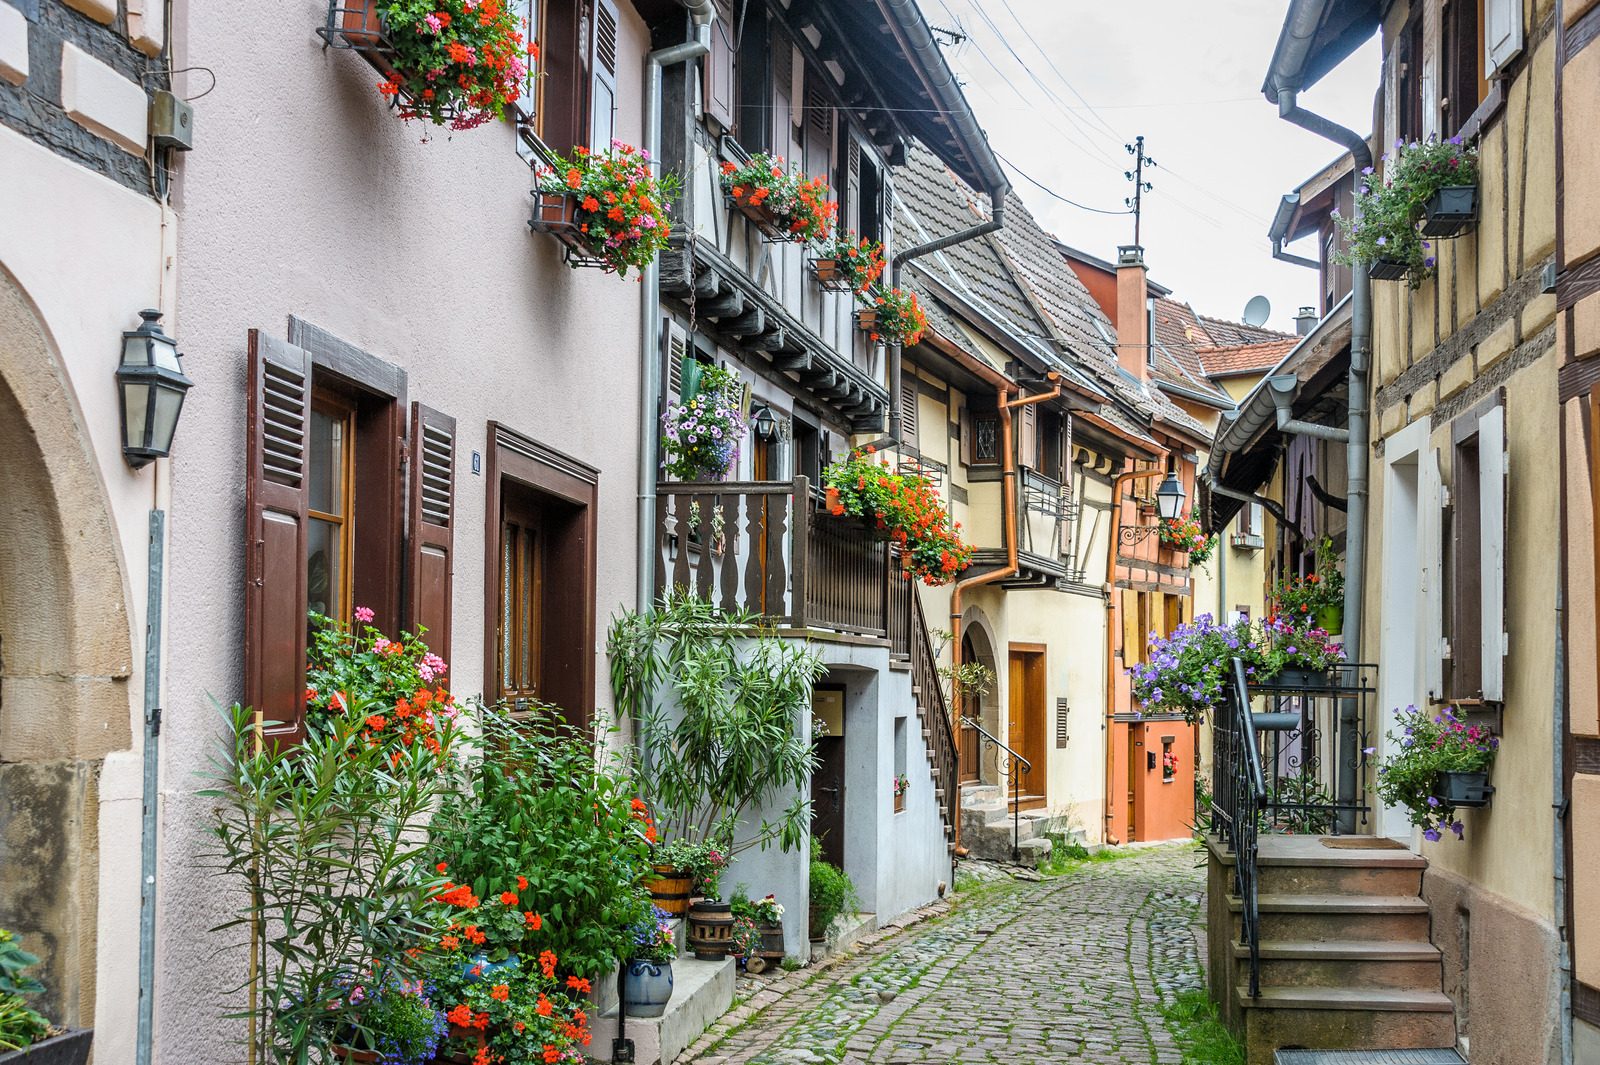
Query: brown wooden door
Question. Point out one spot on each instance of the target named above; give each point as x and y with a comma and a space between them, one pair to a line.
521, 628
827, 798
1026, 729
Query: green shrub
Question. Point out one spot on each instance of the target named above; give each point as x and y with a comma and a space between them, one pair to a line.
832, 892
20, 1025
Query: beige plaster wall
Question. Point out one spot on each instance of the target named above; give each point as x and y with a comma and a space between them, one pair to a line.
75, 269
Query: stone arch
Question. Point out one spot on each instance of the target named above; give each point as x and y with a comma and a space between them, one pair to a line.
978, 638
65, 660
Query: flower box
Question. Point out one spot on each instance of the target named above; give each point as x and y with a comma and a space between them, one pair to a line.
867, 321
830, 275
764, 218
559, 217
356, 25
69, 1048
1450, 211
1463, 789
1388, 270
899, 804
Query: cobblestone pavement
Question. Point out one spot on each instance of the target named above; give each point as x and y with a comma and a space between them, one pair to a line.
1067, 969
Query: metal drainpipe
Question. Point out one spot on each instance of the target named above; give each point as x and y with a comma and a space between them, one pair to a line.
703, 13
145, 1031
1356, 449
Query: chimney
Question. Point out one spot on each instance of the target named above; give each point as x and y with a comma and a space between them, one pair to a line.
1305, 321
1133, 311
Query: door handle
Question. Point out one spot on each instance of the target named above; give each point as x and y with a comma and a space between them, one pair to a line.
829, 791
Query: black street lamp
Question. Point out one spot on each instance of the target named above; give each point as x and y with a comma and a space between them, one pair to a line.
765, 424
153, 385
1169, 498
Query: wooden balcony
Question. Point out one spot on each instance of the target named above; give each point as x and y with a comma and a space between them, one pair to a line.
769, 548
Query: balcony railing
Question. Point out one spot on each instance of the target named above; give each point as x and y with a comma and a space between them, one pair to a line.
765, 547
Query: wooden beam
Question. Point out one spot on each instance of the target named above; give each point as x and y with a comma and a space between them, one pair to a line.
775, 339
728, 305
752, 322
798, 360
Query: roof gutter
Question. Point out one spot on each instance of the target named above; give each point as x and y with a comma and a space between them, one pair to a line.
1278, 233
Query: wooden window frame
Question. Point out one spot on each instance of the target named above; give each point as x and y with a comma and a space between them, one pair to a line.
1463, 83
342, 409
1474, 545
521, 459
1409, 103
576, 67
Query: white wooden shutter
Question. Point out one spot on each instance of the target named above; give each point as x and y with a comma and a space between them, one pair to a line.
603, 74
1502, 33
908, 412
674, 349
528, 15
1430, 554
1029, 436
1492, 469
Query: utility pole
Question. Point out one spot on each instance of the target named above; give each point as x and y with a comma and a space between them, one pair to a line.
1140, 185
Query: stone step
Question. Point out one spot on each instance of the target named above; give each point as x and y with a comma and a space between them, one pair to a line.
1399, 964
702, 991
979, 792
1343, 878
1345, 1019
1326, 918
994, 847
979, 814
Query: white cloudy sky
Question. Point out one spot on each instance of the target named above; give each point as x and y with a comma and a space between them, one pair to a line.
1061, 85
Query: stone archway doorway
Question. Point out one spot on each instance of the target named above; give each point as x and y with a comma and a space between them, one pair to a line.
65, 662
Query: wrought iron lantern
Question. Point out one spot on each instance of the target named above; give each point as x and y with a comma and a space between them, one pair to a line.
764, 424
152, 386
1169, 498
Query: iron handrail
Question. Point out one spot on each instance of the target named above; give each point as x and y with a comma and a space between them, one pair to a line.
1246, 825
1013, 760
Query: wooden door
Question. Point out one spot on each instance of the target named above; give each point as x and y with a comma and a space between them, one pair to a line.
1026, 728
971, 706
827, 798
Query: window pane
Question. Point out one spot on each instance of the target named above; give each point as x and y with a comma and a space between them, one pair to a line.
526, 637
324, 557
508, 549
327, 462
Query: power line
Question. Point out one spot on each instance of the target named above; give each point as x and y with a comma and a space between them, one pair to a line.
1052, 192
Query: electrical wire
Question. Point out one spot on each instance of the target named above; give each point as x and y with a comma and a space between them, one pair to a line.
1052, 192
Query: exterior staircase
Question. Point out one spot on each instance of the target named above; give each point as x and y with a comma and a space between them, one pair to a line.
1345, 958
987, 826
933, 713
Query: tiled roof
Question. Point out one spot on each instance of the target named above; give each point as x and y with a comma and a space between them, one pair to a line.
1179, 334
1246, 358
1229, 334
1019, 279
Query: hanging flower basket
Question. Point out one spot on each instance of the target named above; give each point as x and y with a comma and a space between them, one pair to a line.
1184, 534
1388, 270
700, 436
783, 204
1450, 211
454, 63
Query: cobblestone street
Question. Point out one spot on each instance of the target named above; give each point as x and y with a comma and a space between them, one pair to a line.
1074, 968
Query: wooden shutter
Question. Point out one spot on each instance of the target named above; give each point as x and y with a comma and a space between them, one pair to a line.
1430, 67
433, 520
1502, 33
278, 426
1492, 468
563, 87
1391, 92
603, 75
908, 412
719, 76
674, 349
1028, 435
1430, 553
886, 211
852, 185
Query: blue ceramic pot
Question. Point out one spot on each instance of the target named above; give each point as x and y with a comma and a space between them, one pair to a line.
646, 987
489, 968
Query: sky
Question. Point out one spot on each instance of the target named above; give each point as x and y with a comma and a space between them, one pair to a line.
1062, 85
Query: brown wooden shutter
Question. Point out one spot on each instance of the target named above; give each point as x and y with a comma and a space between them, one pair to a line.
433, 521
276, 492
603, 75
718, 74
1028, 437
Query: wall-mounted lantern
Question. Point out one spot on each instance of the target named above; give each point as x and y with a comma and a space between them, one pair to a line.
152, 386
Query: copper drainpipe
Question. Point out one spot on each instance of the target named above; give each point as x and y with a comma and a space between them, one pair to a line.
1111, 593
1008, 471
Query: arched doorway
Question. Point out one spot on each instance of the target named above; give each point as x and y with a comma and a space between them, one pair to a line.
977, 646
65, 662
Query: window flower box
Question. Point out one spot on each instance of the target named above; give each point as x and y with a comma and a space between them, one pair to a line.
1388, 270
69, 1048
829, 275
1450, 211
784, 204
867, 321
557, 215
753, 206
1463, 789
606, 207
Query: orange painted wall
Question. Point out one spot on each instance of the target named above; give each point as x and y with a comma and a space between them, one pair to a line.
1102, 285
1164, 807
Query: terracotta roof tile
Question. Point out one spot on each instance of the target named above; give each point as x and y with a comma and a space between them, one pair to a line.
1245, 358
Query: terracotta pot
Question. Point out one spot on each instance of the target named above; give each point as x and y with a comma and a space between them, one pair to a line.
899, 803
670, 889
828, 271
867, 321
361, 25
353, 1055
710, 929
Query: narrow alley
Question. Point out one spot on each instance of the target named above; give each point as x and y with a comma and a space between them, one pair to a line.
1076, 968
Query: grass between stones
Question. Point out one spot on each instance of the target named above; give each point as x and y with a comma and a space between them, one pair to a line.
1068, 856
1201, 1035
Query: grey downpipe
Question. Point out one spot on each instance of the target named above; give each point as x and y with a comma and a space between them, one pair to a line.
703, 13
1562, 812
1281, 390
1271, 506
145, 1035
1357, 446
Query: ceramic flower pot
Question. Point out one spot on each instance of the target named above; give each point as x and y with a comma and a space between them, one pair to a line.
1330, 619
646, 987
69, 1048
670, 889
1463, 789
710, 929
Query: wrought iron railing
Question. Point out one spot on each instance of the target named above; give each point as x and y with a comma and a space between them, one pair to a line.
1299, 766
1011, 765
932, 708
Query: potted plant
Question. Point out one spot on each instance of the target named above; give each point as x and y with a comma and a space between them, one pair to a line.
1429, 188
743, 940
903, 508
647, 974
25, 1034
609, 207
1187, 672
672, 886
1440, 763
782, 203
394, 1022
1286, 653
831, 893
767, 913
700, 436
902, 784
849, 264
1185, 534
449, 62
893, 316
710, 918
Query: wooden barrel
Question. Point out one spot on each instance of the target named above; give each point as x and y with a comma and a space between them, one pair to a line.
710, 929
771, 942
670, 888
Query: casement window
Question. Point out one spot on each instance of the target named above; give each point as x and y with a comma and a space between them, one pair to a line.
329, 470
570, 96
1409, 80
980, 436
1462, 81
1473, 545
539, 578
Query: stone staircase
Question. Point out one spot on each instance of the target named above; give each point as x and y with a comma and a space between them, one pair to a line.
986, 828
1345, 957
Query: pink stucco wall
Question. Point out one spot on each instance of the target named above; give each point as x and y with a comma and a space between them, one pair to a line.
305, 196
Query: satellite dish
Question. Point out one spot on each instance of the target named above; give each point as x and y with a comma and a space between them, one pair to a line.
1257, 311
